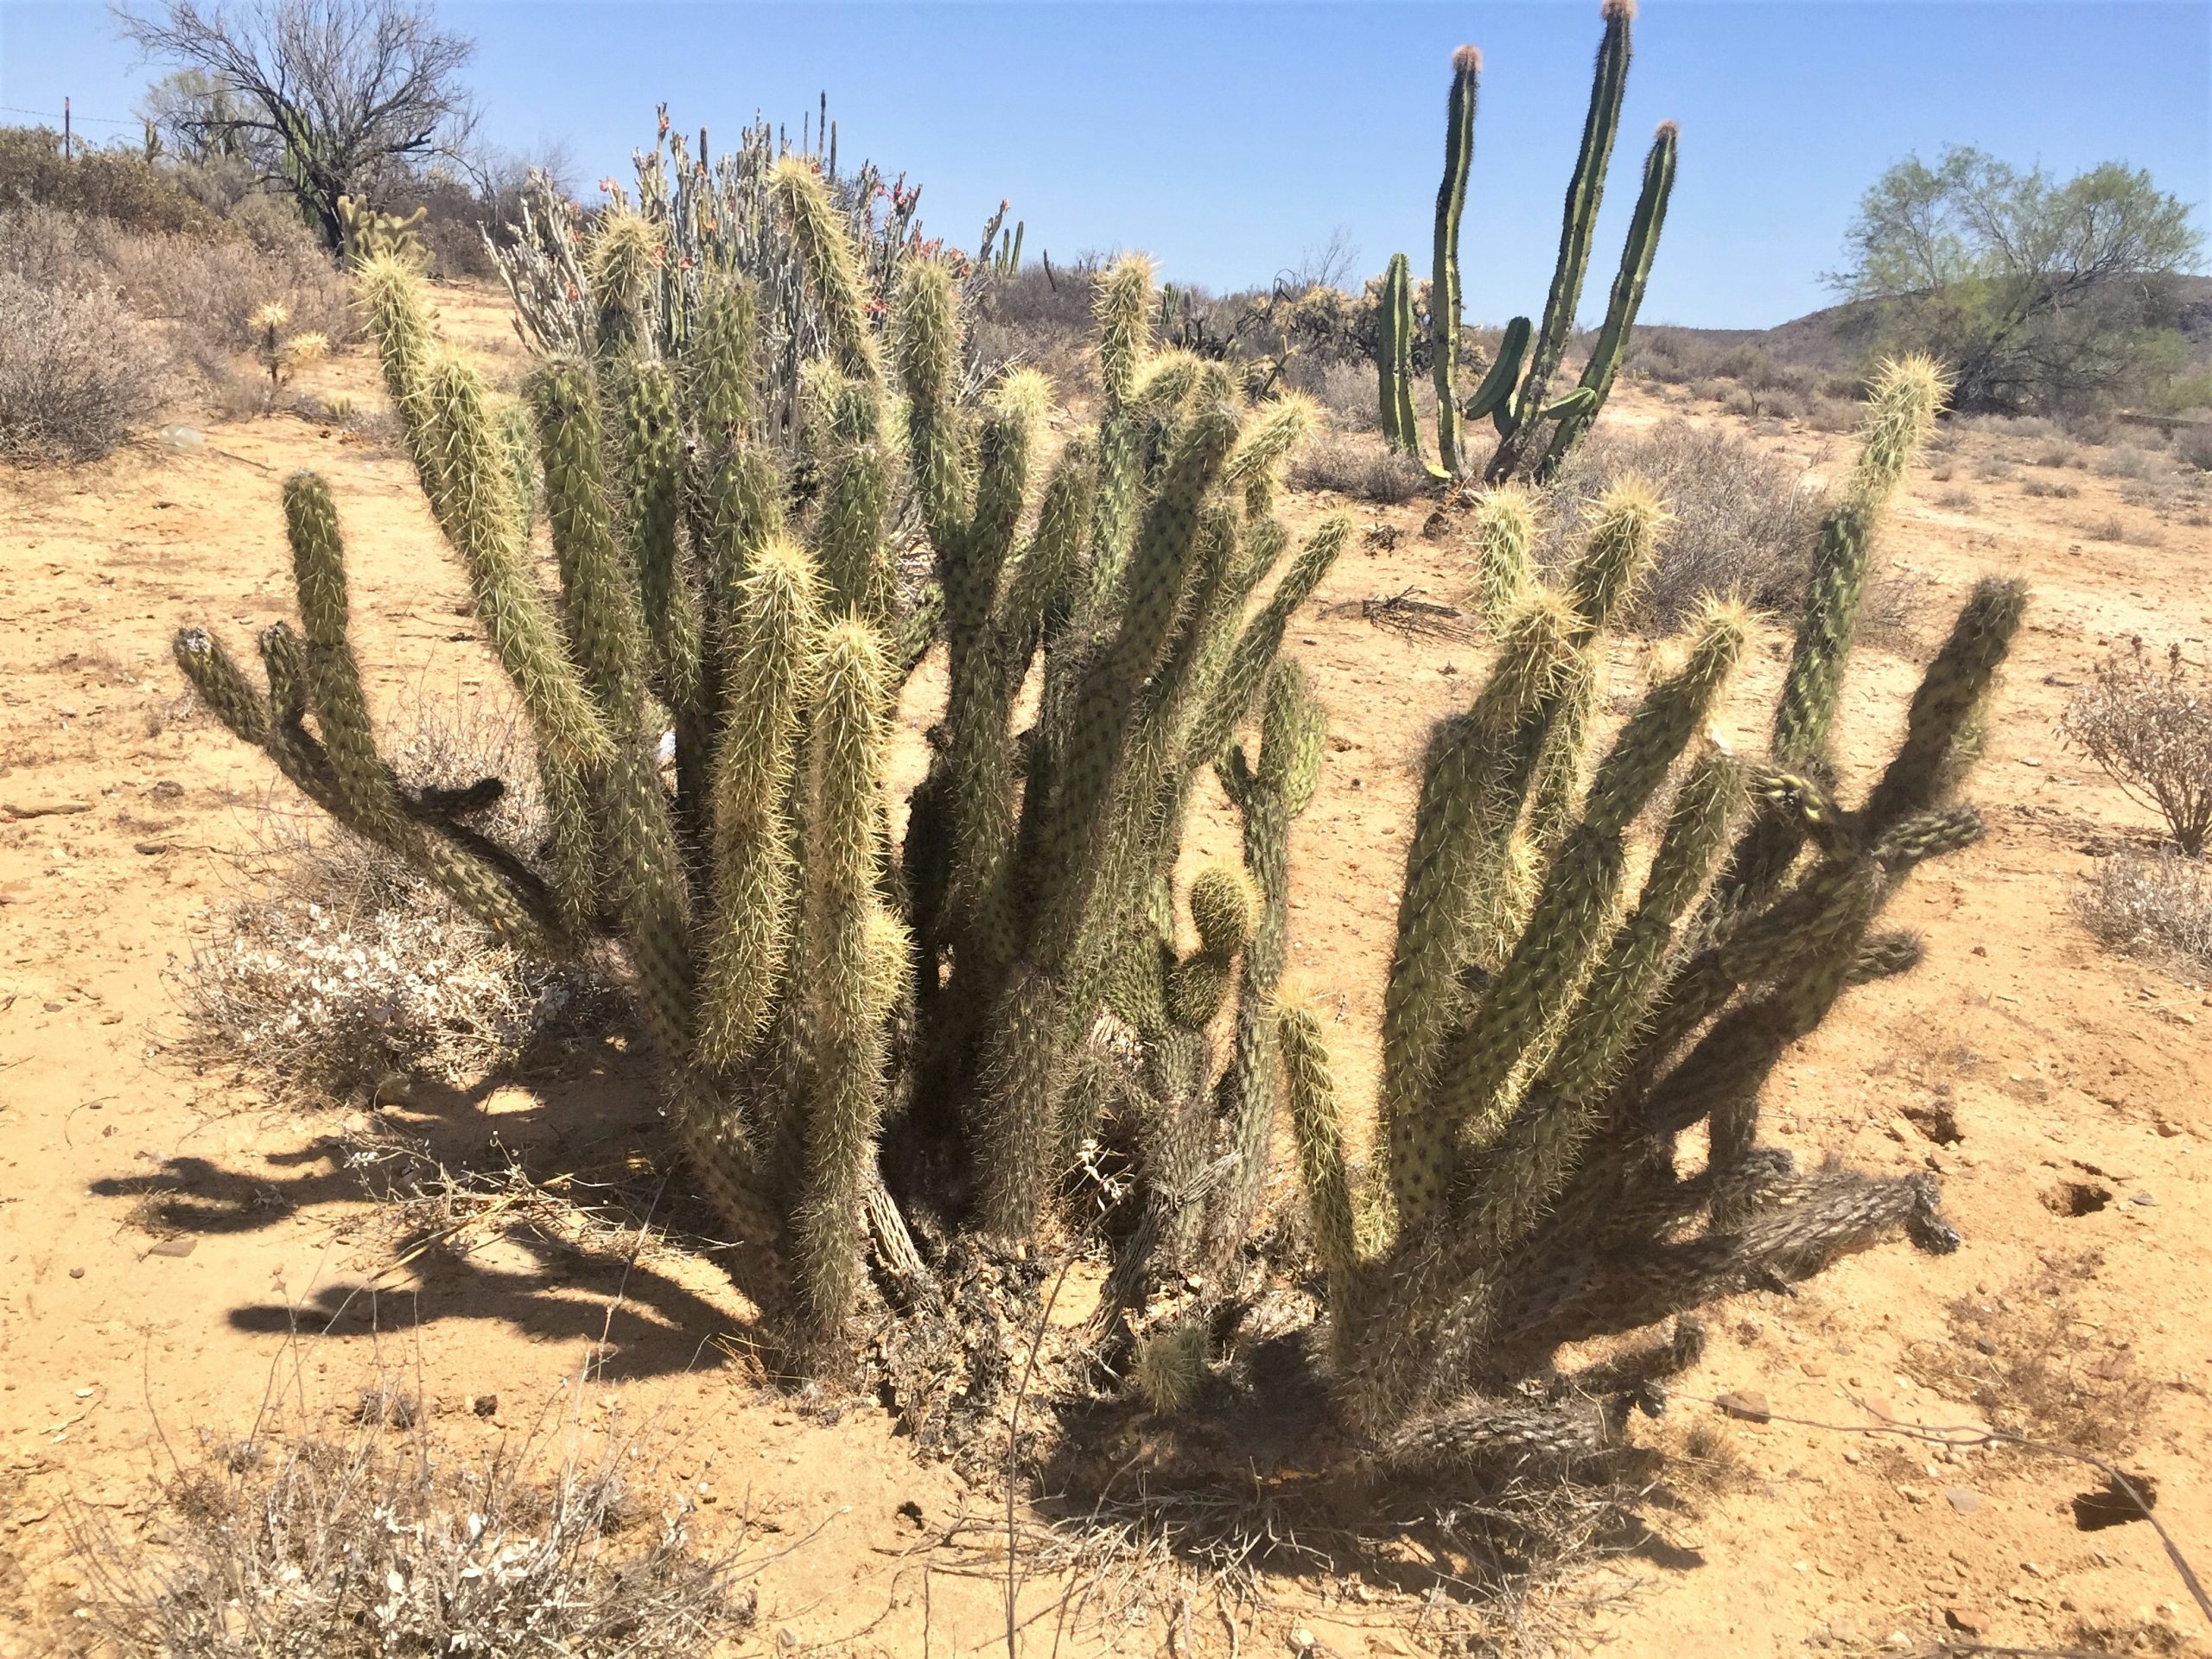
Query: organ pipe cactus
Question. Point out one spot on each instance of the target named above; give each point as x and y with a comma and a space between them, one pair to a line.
1534, 430
887, 1056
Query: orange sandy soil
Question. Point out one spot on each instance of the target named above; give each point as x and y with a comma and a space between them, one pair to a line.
2065, 1067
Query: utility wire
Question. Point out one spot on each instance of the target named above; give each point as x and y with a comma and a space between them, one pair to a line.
58, 115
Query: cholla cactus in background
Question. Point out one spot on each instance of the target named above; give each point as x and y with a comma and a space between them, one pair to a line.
369, 233
702, 215
894, 1043
1534, 430
281, 354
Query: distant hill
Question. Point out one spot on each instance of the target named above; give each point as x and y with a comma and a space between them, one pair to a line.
1837, 336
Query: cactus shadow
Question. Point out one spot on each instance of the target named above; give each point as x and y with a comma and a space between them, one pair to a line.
548, 1209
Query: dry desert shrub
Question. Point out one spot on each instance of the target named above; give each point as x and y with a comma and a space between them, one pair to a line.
2147, 720
2159, 907
1744, 523
78, 374
383, 1542
2193, 446
2016, 1354
1358, 464
353, 969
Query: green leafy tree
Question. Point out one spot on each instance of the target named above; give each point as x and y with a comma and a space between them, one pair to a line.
2039, 295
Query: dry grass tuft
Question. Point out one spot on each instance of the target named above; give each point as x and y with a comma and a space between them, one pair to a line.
384, 1542
1744, 523
2018, 1356
1358, 465
353, 973
78, 375
2158, 907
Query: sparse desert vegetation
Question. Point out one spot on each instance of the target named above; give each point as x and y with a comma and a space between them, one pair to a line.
910, 947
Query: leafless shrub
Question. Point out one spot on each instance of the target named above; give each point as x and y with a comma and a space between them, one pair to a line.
209, 291
1956, 500
381, 1543
2060, 488
1744, 522
352, 968
2158, 907
78, 373
1993, 468
2110, 528
2130, 460
2148, 723
2193, 445
1357, 464
1039, 321
1346, 389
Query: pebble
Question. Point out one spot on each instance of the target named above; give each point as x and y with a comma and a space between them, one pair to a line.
2143, 1198
1749, 1404
76, 1273
1962, 1499
1968, 1621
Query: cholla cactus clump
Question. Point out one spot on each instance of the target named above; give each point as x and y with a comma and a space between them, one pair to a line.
889, 1058
281, 354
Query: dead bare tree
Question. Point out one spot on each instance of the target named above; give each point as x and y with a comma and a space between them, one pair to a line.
325, 98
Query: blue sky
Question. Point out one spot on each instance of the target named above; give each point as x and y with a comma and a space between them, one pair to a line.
1227, 139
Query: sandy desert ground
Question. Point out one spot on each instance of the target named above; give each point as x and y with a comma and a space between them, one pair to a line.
174, 1243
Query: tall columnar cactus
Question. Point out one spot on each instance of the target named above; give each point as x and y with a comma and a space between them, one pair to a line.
1534, 430
1444, 278
1008, 992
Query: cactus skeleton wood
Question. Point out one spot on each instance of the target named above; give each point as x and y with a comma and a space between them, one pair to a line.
1008, 985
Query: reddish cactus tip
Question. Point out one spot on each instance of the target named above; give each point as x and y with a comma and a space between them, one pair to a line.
1618, 11
1668, 130
1467, 60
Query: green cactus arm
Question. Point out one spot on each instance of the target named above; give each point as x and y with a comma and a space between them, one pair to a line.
1246, 671
1610, 346
1267, 439
1903, 409
334, 680
928, 362
1472, 779
1387, 324
1558, 947
1310, 1085
602, 592
653, 470
476, 509
1504, 372
1950, 695
1595, 1043
1272, 796
856, 961
825, 249
1444, 298
715, 370
856, 563
1124, 313
1506, 551
775, 618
